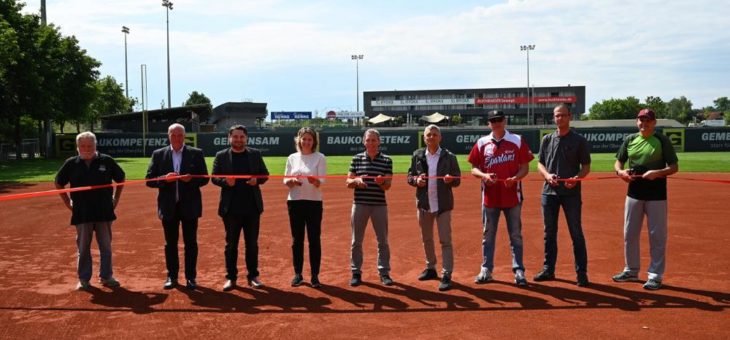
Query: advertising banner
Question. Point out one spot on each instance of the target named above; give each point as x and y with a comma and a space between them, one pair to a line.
291, 115
120, 144
403, 142
269, 143
707, 139
350, 143
462, 141
605, 140
523, 100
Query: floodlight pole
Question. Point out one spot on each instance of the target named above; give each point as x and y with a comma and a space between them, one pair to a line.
125, 30
357, 58
167, 4
528, 48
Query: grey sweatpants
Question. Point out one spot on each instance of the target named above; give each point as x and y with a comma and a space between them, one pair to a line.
656, 216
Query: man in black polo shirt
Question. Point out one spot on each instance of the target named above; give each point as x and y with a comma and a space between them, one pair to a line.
369, 175
91, 210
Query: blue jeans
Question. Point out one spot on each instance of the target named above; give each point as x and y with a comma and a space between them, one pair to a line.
550, 212
490, 219
84, 234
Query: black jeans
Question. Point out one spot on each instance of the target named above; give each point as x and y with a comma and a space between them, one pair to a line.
305, 215
249, 223
171, 228
572, 208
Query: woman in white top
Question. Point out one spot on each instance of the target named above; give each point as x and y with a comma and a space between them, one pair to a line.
305, 171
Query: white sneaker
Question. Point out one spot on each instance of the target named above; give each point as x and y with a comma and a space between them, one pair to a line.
520, 279
484, 276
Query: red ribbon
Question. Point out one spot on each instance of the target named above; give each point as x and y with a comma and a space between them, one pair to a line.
166, 178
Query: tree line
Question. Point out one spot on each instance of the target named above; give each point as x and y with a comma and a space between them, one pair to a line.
45, 75
679, 109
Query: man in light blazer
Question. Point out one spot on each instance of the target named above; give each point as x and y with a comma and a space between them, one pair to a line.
178, 201
241, 203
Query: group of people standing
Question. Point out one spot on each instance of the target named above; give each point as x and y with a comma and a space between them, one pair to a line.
500, 160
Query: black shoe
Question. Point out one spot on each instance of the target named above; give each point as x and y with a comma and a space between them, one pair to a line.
297, 280
544, 275
190, 284
356, 280
582, 280
428, 274
445, 283
170, 283
386, 280
229, 285
315, 282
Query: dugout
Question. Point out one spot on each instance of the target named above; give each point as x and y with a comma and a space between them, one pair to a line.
193, 117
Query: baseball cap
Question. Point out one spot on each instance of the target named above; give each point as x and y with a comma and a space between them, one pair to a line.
494, 114
648, 113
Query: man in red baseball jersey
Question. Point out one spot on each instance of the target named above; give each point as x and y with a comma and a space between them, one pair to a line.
501, 159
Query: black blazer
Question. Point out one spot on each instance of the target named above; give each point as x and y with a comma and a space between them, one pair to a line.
223, 165
447, 164
193, 163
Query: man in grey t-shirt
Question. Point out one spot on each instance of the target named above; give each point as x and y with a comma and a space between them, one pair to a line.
564, 159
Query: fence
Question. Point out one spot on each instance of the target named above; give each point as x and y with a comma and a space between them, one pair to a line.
29, 149
394, 142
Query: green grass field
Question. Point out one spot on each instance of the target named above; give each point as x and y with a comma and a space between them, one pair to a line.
42, 170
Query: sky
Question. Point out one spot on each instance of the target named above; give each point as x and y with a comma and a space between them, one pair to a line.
296, 55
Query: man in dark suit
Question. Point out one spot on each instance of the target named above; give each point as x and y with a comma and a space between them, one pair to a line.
178, 200
241, 203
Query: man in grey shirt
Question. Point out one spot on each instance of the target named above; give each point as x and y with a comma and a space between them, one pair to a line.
564, 159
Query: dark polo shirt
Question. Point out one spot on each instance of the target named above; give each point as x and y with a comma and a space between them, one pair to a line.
563, 155
91, 205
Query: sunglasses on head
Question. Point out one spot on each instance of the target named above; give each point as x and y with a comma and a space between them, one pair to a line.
496, 120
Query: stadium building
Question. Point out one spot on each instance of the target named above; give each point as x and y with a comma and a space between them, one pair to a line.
473, 104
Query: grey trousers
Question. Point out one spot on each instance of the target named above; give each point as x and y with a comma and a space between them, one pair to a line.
84, 234
378, 214
656, 216
443, 223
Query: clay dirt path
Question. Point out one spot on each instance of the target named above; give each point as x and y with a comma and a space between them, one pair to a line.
37, 274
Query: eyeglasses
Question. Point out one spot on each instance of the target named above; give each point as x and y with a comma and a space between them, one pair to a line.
645, 119
496, 120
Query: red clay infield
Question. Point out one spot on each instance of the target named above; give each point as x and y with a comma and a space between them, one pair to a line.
37, 274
